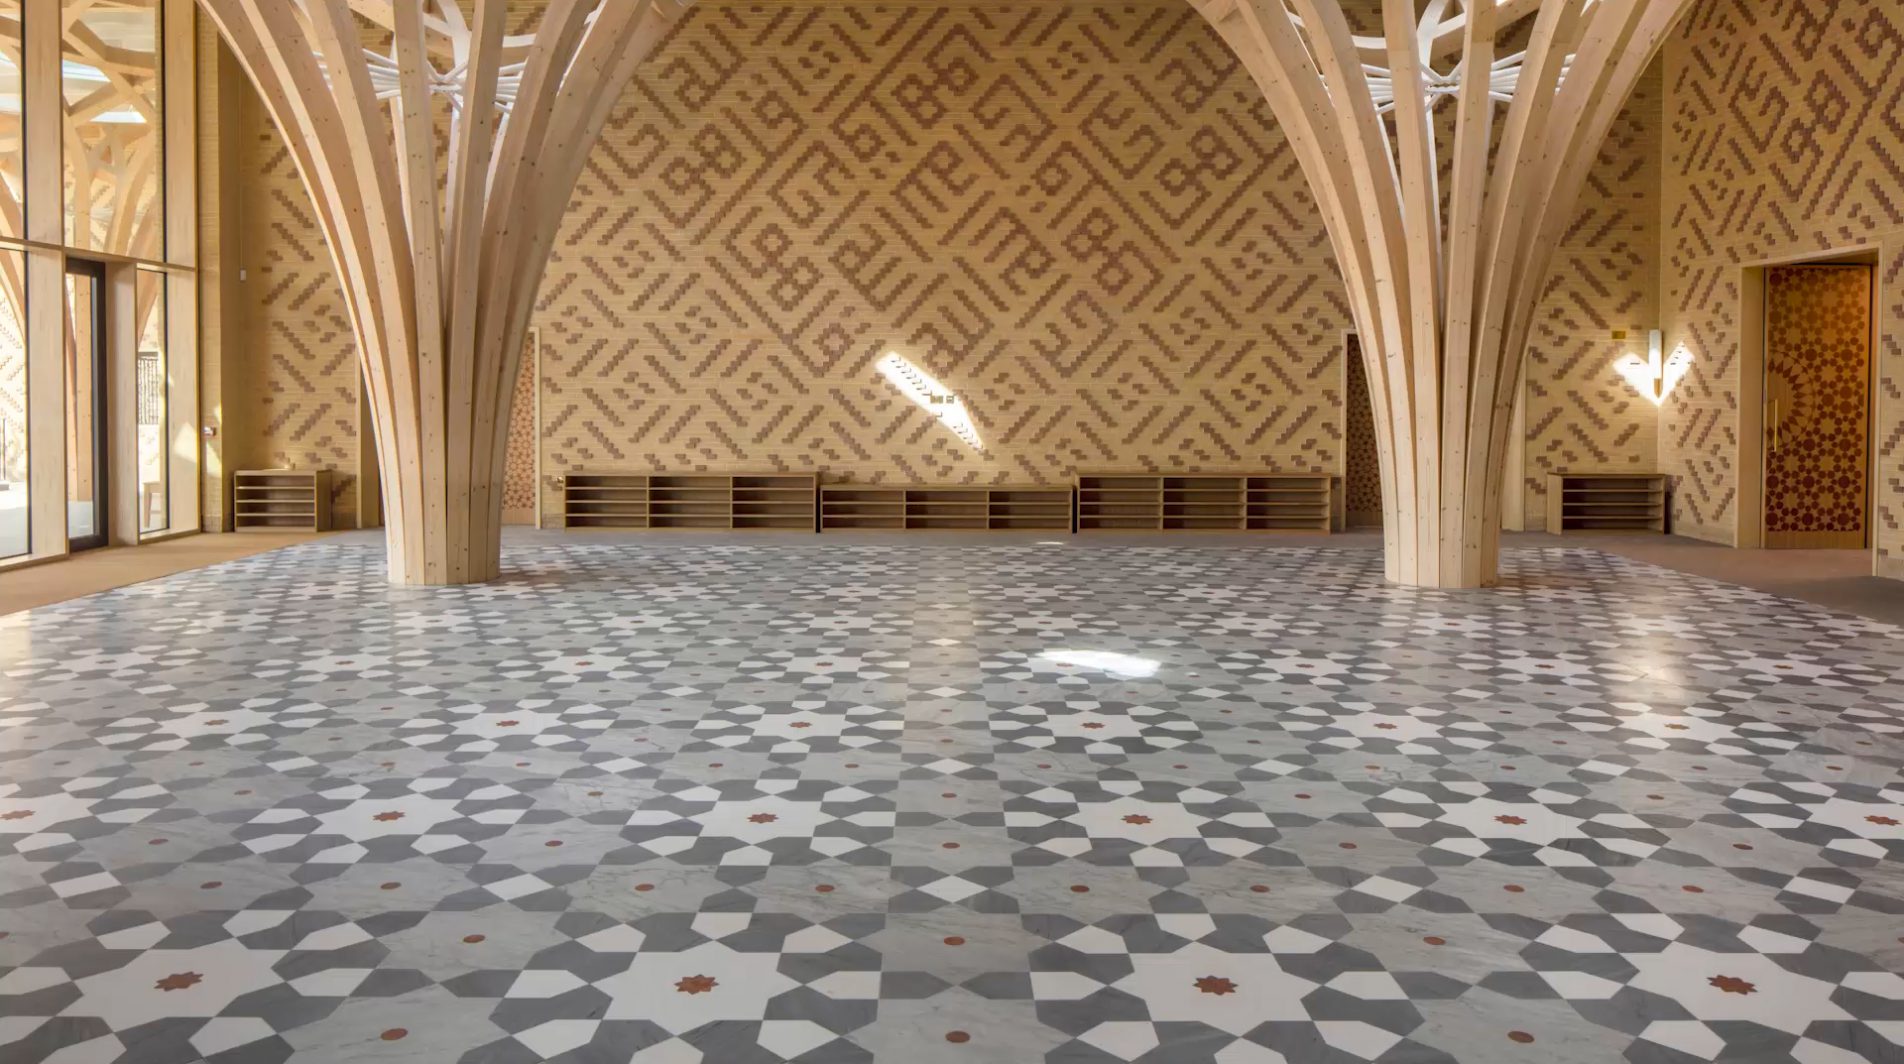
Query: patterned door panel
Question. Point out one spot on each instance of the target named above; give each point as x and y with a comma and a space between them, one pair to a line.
1782, 143
1817, 401
1361, 464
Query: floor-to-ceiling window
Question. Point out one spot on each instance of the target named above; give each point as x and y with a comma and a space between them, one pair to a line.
14, 471
114, 157
87, 469
12, 127
98, 350
150, 394
14, 512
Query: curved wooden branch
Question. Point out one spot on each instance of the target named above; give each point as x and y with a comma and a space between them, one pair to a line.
439, 275
1444, 326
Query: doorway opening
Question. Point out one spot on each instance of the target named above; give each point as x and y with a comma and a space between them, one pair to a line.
87, 512
1361, 461
1819, 335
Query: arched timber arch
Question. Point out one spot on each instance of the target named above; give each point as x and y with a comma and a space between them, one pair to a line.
440, 273
1444, 284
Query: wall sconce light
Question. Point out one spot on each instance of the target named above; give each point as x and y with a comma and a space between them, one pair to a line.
1655, 376
929, 395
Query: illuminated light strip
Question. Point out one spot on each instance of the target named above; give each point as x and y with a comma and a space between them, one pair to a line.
931, 396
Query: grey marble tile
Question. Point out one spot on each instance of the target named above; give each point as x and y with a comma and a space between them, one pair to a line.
735, 800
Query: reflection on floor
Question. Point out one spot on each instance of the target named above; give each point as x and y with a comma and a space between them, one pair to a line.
668, 800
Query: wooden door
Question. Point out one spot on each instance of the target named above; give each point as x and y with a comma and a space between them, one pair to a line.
1817, 405
1362, 463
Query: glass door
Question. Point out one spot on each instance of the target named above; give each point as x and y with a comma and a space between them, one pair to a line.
86, 492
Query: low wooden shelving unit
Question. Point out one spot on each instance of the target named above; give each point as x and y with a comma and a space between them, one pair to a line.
1262, 502
1587, 503
783, 501
281, 500
904, 507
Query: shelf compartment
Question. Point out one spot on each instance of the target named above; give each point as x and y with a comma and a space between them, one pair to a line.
278, 500
924, 507
1600, 503
1264, 502
706, 501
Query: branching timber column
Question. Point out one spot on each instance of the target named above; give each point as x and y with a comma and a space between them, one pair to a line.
440, 263
1444, 283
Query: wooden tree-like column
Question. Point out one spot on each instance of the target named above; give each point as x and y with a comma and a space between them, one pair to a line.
440, 212
1444, 283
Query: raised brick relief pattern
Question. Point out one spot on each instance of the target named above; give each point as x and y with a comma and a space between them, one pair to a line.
296, 322
1078, 216
1783, 140
1581, 416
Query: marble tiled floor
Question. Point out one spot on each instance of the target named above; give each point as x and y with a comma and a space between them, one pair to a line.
820, 799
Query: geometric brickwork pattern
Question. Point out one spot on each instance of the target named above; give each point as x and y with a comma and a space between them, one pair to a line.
1077, 215
1818, 372
303, 411
699, 800
1781, 144
1581, 416
518, 483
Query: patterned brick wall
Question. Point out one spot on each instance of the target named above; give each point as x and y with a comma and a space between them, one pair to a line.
296, 325
518, 484
1783, 141
1079, 216
1581, 416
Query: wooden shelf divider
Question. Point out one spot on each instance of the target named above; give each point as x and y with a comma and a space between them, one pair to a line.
1265, 502
281, 500
1600, 503
774, 501
912, 507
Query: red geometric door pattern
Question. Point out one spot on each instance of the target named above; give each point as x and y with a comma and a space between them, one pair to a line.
1817, 405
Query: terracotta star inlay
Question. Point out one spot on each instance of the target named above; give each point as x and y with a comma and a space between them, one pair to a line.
801, 724
178, 981
1732, 984
507, 723
16, 814
1137, 818
1882, 821
762, 818
1512, 821
1385, 726
1216, 984
1093, 725
389, 817
697, 984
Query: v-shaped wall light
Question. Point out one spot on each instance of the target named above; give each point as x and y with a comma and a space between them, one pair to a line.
1655, 376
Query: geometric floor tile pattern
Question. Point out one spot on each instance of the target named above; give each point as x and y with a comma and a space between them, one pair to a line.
743, 801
